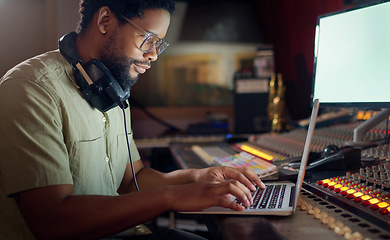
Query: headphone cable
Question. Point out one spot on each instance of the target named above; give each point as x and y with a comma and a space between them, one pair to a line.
128, 148
132, 168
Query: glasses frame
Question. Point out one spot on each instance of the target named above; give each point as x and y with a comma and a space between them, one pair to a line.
147, 35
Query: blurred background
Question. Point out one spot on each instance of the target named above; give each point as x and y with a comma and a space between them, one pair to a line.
212, 44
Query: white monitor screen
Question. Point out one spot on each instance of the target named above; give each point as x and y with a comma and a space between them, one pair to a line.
352, 57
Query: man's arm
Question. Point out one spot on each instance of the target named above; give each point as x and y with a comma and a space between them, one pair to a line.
148, 178
54, 212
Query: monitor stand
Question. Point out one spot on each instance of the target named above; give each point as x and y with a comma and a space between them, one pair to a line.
360, 131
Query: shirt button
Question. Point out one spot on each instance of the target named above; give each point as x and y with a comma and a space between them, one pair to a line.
107, 159
104, 119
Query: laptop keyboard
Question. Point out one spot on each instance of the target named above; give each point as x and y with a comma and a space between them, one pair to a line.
271, 197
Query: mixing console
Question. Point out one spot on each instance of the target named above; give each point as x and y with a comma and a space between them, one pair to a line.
344, 222
355, 205
290, 144
366, 192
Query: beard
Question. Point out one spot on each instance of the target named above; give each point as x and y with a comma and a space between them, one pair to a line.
119, 64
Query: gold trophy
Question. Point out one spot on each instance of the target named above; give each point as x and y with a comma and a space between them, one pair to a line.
276, 104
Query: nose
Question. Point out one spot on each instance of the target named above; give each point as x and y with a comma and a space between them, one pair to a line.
152, 55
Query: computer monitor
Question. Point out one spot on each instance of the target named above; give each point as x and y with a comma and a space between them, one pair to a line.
352, 62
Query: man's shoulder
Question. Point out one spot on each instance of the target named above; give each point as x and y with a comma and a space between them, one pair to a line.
38, 68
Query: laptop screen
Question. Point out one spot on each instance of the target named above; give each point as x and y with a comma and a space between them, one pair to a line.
306, 151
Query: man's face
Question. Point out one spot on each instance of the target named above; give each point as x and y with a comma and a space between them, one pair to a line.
122, 55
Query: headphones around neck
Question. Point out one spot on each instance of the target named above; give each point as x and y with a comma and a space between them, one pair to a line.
96, 82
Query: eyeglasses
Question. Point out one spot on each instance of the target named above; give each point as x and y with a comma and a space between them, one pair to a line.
151, 40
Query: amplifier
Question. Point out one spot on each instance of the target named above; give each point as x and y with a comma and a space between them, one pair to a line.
250, 106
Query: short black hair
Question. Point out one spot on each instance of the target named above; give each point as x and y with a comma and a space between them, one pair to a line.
127, 8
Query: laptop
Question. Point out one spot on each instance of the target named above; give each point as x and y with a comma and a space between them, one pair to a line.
278, 199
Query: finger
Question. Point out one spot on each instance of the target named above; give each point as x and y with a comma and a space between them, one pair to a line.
259, 183
234, 206
241, 192
253, 177
244, 175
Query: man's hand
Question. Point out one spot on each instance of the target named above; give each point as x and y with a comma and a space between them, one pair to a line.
202, 195
215, 186
246, 176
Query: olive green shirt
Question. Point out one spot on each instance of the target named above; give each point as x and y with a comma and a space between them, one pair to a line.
49, 135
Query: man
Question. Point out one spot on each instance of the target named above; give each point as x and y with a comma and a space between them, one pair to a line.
65, 170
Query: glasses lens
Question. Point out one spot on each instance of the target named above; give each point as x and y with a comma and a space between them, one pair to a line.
161, 46
148, 43
153, 42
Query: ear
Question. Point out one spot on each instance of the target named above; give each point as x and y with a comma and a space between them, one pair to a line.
103, 19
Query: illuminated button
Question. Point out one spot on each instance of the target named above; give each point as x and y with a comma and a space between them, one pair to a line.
337, 190
256, 152
344, 190
366, 197
374, 207
374, 200
325, 181
384, 210
366, 203
337, 187
331, 185
370, 201
379, 205
357, 196
350, 196
383, 205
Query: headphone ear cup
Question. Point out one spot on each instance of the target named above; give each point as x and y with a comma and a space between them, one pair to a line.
100, 88
105, 92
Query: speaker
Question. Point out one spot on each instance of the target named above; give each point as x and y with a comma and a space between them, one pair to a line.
250, 106
96, 82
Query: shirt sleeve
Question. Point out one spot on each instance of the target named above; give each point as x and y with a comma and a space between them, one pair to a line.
33, 153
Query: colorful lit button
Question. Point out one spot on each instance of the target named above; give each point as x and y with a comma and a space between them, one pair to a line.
370, 201
343, 190
366, 197
356, 196
325, 180
351, 191
384, 210
374, 207
383, 205
374, 200
337, 187
331, 185
379, 205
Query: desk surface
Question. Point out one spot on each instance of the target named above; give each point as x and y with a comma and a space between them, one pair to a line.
302, 225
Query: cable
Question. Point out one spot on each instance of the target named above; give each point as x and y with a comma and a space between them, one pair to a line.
128, 148
149, 114
132, 167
